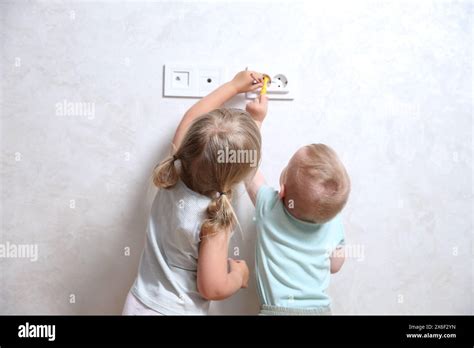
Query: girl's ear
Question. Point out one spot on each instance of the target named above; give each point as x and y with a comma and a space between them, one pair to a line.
281, 194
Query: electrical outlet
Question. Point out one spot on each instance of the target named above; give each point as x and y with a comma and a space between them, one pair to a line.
281, 86
193, 81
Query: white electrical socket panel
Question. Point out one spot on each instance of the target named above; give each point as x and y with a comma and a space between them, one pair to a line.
193, 81
196, 81
282, 85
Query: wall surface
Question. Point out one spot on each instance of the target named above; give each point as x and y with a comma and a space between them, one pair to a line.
388, 84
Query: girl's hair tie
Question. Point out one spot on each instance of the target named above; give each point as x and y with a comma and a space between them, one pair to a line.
175, 158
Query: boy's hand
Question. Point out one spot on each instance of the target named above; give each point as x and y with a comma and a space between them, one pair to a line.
258, 108
247, 81
240, 266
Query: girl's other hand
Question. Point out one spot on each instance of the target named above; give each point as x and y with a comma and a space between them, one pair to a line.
240, 266
247, 81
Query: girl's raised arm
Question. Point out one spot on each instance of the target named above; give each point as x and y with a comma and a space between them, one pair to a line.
241, 83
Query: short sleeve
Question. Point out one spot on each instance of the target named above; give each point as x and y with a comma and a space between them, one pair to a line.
265, 199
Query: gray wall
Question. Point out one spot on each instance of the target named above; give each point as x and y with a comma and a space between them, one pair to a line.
385, 83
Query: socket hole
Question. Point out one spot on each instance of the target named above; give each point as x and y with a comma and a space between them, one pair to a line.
209, 80
282, 80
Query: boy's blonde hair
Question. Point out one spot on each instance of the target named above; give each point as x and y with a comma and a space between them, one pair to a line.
318, 183
202, 171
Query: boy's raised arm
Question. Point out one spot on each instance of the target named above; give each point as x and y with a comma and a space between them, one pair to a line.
253, 185
242, 82
258, 110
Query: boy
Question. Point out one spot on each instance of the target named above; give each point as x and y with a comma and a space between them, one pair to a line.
300, 235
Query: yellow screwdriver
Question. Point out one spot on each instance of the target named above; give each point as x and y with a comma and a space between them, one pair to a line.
266, 80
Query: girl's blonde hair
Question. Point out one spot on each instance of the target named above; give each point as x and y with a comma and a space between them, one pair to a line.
204, 170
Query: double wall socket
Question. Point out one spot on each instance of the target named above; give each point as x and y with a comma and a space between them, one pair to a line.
187, 80
196, 81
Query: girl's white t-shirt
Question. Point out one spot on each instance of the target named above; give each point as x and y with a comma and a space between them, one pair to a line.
167, 273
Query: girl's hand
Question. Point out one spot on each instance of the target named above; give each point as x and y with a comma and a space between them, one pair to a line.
240, 266
258, 108
247, 81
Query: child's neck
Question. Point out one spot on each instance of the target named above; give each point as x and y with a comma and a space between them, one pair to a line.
293, 212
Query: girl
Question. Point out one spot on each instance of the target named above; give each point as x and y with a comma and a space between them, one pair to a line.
184, 264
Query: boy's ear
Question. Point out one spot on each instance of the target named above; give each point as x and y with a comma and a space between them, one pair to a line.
281, 194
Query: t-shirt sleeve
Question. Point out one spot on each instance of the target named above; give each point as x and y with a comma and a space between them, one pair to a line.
265, 199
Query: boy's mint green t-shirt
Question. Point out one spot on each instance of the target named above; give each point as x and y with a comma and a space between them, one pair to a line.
292, 256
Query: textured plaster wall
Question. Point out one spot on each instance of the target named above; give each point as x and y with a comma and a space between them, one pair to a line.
388, 84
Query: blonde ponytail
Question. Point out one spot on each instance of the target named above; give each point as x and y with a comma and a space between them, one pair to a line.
220, 215
165, 174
